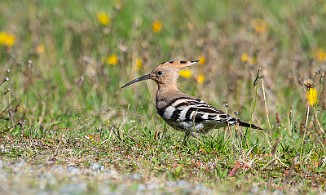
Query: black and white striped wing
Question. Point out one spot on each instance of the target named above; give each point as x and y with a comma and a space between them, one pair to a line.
194, 115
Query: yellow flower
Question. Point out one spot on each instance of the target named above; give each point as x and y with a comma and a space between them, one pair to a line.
157, 26
320, 55
7, 39
202, 59
311, 96
40, 49
200, 79
185, 73
112, 59
260, 26
103, 18
139, 64
245, 58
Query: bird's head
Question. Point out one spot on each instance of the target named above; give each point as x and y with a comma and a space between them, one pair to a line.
164, 73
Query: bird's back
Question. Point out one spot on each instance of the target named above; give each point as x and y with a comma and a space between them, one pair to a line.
187, 113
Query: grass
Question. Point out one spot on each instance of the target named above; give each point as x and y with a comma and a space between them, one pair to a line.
63, 100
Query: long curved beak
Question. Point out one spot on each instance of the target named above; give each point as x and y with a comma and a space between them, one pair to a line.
145, 77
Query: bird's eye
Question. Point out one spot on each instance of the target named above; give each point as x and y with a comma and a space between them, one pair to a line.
159, 73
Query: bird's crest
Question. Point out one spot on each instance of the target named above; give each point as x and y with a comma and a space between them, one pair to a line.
179, 64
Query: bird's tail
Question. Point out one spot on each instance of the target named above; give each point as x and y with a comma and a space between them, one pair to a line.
241, 123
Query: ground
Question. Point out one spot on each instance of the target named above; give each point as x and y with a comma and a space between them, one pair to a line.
66, 126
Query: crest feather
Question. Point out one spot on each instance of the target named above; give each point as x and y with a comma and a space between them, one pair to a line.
180, 64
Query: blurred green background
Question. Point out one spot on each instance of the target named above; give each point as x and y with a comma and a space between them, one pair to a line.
63, 63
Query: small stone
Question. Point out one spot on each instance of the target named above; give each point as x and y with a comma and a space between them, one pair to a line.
73, 170
254, 189
96, 166
2, 164
136, 176
141, 187
74, 188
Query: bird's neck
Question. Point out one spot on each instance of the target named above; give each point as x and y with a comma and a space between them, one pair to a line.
166, 90
165, 94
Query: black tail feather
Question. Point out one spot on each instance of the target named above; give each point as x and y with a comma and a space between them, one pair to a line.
243, 124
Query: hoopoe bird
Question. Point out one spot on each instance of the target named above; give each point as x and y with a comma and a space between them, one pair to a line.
181, 111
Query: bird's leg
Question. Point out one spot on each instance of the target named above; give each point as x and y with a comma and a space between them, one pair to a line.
187, 134
194, 135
